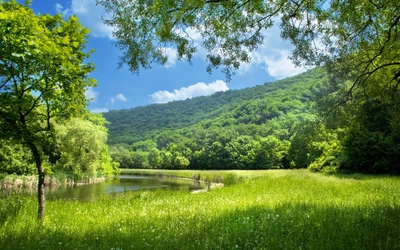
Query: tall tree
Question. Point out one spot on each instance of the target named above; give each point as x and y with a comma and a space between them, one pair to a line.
82, 144
42, 76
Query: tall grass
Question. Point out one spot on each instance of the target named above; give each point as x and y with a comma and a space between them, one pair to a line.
219, 176
276, 210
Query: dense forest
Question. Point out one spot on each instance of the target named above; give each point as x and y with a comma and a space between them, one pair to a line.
291, 123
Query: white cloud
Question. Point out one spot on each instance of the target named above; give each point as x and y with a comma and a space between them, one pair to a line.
120, 97
62, 10
89, 15
172, 57
99, 110
90, 94
281, 66
272, 55
198, 89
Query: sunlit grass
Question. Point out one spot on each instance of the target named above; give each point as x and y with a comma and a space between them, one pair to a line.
266, 210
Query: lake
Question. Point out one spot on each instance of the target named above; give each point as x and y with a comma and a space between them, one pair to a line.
122, 183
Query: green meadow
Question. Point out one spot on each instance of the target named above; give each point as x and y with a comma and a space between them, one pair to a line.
276, 209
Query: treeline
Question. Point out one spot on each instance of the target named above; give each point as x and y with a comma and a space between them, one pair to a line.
287, 126
79, 151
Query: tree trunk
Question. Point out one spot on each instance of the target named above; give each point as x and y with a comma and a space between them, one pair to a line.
39, 166
41, 200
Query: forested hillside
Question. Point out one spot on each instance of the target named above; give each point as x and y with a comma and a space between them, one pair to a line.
254, 128
131, 125
291, 123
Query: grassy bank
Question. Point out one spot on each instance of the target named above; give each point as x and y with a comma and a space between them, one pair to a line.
273, 210
228, 177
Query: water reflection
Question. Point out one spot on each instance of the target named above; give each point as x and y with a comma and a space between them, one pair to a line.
122, 183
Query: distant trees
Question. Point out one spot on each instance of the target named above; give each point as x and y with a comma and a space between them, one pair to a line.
122, 155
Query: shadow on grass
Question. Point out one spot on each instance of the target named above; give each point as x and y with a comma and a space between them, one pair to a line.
359, 176
286, 226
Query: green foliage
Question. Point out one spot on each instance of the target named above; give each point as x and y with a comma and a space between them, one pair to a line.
15, 158
42, 76
140, 159
155, 159
371, 144
358, 45
122, 155
278, 125
43, 79
83, 149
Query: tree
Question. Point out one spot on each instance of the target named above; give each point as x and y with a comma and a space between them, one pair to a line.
82, 144
372, 142
122, 155
42, 76
155, 158
140, 159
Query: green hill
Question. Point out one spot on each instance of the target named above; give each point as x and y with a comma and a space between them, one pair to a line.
252, 105
267, 126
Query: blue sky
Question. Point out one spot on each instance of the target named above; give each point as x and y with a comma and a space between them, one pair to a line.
119, 89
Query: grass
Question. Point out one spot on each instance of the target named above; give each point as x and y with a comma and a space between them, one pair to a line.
227, 177
265, 210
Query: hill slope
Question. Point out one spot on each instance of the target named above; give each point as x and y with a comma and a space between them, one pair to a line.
251, 105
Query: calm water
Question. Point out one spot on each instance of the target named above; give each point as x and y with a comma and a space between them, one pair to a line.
122, 183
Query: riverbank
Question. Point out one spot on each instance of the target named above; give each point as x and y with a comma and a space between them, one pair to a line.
278, 209
226, 177
22, 183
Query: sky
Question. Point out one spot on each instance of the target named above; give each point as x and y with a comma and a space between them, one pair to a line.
120, 89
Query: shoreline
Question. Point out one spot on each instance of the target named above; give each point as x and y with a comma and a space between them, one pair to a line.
216, 182
18, 183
